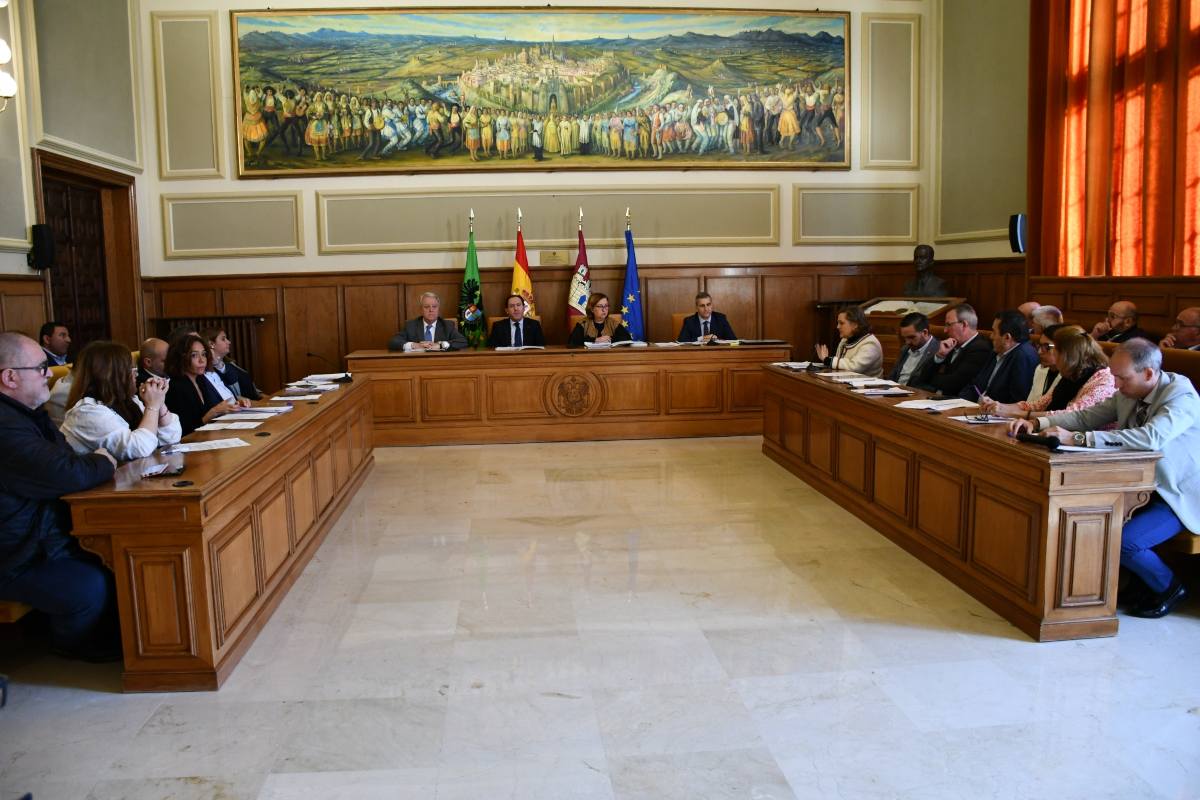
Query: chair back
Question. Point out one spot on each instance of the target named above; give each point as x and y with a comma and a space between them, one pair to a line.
57, 373
677, 321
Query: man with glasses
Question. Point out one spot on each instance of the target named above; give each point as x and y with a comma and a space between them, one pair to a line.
40, 563
1119, 325
960, 356
1152, 410
1185, 333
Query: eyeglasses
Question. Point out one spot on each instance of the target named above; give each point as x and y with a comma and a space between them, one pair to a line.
1045, 348
1111, 315
42, 368
1181, 324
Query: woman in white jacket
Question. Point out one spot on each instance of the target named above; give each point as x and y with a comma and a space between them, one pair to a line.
106, 407
859, 350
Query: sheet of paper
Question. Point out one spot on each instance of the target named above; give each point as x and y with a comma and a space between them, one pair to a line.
980, 419
229, 426
1070, 448
938, 405
792, 364
326, 376
272, 409
894, 392
517, 349
245, 416
285, 398
197, 447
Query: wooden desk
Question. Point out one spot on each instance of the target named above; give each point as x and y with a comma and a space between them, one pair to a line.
1033, 535
200, 568
561, 395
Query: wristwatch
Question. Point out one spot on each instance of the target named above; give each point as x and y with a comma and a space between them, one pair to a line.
1080, 439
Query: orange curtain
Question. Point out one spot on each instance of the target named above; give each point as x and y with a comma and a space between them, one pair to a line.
1114, 172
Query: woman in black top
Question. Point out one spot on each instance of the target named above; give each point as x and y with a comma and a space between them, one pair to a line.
190, 394
598, 326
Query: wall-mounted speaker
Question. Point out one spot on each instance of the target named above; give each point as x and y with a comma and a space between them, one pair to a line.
41, 256
1018, 231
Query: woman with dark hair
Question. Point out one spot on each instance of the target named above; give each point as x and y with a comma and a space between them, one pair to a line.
235, 379
859, 350
190, 394
106, 408
597, 326
1084, 377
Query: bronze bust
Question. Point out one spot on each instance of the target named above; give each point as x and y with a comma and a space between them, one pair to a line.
926, 283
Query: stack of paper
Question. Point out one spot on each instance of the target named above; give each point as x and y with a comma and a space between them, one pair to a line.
229, 426
196, 447
272, 409
246, 416
936, 405
792, 364
326, 377
287, 398
886, 391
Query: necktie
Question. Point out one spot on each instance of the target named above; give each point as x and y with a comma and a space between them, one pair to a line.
428, 333
518, 340
705, 332
1142, 414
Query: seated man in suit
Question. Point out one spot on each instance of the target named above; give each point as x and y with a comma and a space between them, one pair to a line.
1119, 325
1010, 373
1153, 410
429, 331
918, 350
516, 331
705, 325
55, 340
1185, 333
152, 360
959, 357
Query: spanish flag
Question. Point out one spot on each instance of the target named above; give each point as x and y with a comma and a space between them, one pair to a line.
522, 282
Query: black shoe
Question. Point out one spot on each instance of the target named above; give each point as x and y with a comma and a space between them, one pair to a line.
1159, 605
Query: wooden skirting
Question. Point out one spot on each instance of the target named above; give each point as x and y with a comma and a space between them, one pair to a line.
334, 313
1085, 300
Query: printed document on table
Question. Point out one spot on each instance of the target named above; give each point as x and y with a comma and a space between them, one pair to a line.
246, 416
229, 426
937, 405
326, 376
792, 364
287, 398
197, 447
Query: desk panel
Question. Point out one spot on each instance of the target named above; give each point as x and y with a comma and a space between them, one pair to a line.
561, 395
1032, 534
201, 566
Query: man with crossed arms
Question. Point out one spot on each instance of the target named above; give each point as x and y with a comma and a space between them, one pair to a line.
1153, 410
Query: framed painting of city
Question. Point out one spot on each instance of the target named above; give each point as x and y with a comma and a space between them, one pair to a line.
452, 90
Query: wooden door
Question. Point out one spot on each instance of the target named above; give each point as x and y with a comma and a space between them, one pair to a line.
78, 280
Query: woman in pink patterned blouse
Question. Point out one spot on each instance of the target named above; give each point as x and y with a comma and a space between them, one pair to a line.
1085, 381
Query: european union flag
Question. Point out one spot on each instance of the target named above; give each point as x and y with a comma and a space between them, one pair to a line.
631, 296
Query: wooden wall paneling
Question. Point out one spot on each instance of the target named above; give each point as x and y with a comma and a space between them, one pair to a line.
1085, 300
821, 442
626, 393
787, 310
793, 429
551, 299
274, 532
516, 396
190, 302
854, 458
941, 503
737, 298
699, 391
1004, 533
372, 315
843, 287
452, 398
236, 582
311, 325
662, 297
892, 485
302, 499
239, 301
1083, 541
22, 305
163, 587
149, 309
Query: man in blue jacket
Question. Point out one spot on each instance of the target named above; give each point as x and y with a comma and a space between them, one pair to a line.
1006, 377
40, 564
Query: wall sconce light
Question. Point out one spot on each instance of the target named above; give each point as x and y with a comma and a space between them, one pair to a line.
8, 84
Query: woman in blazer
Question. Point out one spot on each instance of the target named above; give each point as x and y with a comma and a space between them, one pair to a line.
597, 326
1084, 381
191, 395
106, 408
859, 350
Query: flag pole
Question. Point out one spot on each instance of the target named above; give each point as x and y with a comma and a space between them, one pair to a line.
628, 225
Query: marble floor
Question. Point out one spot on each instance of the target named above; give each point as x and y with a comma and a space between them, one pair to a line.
662, 619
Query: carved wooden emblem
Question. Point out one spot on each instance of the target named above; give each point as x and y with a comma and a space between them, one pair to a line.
573, 395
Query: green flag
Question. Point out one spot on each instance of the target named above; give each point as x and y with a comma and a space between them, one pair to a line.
470, 300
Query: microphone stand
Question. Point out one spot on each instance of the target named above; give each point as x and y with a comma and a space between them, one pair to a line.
345, 378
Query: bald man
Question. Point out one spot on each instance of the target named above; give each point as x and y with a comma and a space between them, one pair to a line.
1028, 308
1120, 324
1185, 333
152, 360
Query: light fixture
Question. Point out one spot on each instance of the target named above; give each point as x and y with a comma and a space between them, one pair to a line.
5, 52
8, 84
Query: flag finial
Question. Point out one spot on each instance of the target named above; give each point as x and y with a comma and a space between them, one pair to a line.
628, 226
471, 220
519, 216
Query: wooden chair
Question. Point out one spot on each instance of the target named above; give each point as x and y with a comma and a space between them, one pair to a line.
677, 321
57, 373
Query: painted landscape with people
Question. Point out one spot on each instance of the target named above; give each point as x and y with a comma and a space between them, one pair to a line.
394, 91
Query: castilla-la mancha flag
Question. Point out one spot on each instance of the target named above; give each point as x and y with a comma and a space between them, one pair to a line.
522, 282
581, 286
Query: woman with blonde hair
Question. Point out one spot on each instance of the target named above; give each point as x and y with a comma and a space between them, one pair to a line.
1084, 381
598, 326
106, 408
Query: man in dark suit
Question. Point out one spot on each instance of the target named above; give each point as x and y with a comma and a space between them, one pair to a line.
516, 330
706, 324
429, 331
152, 360
1185, 333
960, 356
919, 348
1119, 325
55, 340
1007, 378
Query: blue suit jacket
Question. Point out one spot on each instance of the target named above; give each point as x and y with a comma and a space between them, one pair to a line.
501, 335
719, 325
1012, 380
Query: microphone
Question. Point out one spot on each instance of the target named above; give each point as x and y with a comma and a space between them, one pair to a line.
345, 378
